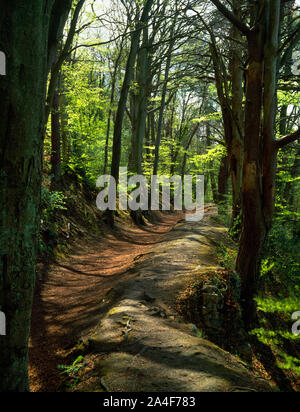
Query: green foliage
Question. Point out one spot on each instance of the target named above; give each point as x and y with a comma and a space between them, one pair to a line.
213, 154
272, 305
227, 257
278, 338
289, 363
235, 229
51, 202
71, 372
87, 110
280, 269
281, 263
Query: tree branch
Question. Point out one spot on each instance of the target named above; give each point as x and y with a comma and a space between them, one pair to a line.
61, 58
231, 17
279, 144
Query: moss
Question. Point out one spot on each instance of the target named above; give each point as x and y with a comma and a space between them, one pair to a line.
113, 311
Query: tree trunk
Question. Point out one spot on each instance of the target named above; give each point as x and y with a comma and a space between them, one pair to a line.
55, 143
259, 170
235, 152
212, 178
61, 58
140, 106
29, 40
223, 178
232, 113
65, 137
254, 230
135, 40
163, 102
110, 112
186, 148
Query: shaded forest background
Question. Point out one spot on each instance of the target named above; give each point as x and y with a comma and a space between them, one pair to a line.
187, 113
171, 88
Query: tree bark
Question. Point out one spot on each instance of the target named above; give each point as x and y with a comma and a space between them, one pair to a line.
163, 102
55, 142
110, 112
235, 149
213, 183
260, 154
140, 105
63, 55
223, 178
29, 33
135, 40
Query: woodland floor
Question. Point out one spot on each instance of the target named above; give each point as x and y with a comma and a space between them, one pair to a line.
69, 294
119, 294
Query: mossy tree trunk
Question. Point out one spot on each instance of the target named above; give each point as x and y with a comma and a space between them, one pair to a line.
260, 144
29, 35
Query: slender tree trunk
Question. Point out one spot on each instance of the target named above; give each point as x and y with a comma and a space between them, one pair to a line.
163, 103
140, 106
210, 167
232, 112
173, 140
235, 152
29, 33
110, 112
223, 178
65, 138
117, 142
186, 148
61, 58
56, 142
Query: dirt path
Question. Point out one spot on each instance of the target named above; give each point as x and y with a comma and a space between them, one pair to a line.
141, 344
69, 297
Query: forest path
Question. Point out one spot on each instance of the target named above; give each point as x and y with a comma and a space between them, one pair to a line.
142, 345
69, 295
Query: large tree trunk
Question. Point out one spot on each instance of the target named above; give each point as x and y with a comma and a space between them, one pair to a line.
260, 146
29, 40
254, 230
260, 154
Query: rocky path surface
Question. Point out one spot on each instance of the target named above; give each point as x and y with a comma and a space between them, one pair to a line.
141, 344
69, 295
